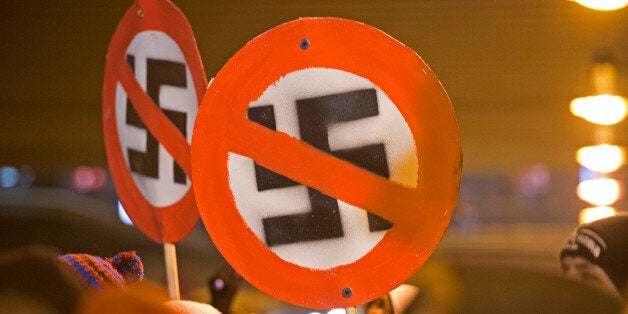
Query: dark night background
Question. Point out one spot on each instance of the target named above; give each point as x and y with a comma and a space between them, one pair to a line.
510, 68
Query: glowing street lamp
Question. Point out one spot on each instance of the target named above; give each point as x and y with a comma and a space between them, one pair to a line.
600, 109
603, 5
602, 158
599, 192
594, 213
604, 109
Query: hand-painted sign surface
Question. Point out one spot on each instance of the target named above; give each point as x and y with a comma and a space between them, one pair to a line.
154, 81
326, 159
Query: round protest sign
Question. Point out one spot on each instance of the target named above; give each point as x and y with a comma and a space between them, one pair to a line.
326, 159
154, 82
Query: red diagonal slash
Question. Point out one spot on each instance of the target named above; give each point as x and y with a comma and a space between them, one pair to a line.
154, 118
326, 173
420, 214
173, 222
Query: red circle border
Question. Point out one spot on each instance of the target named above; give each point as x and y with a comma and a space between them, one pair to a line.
364, 51
171, 223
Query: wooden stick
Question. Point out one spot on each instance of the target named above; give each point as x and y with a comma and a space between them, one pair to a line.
172, 273
351, 310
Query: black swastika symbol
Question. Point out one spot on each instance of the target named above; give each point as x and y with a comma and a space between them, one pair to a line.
314, 116
158, 74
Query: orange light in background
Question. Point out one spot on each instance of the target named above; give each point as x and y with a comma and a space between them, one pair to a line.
595, 213
603, 108
603, 5
599, 192
602, 158
600, 109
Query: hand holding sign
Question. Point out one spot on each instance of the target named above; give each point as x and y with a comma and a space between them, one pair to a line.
326, 162
154, 81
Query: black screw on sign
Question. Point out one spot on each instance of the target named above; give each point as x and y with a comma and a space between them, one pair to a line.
304, 44
347, 292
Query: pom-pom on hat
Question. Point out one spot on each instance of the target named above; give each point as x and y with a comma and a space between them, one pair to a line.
103, 273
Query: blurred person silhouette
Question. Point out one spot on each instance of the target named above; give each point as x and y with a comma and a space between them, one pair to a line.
399, 300
32, 280
38, 280
223, 285
144, 297
597, 255
381, 305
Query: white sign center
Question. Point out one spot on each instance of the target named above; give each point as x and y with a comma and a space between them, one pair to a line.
347, 116
162, 72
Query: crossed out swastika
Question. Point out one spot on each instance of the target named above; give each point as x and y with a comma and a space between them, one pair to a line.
160, 68
158, 73
232, 132
154, 80
355, 122
314, 114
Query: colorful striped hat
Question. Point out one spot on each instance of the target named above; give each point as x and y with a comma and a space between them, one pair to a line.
104, 273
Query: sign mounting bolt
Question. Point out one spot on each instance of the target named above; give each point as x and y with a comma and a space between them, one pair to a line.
305, 44
346, 292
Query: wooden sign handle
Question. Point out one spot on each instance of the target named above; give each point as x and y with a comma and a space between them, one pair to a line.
352, 310
172, 273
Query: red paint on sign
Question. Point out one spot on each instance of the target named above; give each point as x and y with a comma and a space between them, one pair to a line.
420, 215
162, 224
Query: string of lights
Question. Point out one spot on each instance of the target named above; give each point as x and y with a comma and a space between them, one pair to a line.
598, 162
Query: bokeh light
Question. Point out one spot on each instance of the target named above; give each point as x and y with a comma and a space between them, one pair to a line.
27, 176
595, 213
602, 158
9, 176
603, 5
534, 180
599, 192
124, 217
587, 174
601, 109
86, 179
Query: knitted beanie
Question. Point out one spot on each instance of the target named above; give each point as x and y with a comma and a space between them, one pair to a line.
102, 273
605, 243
